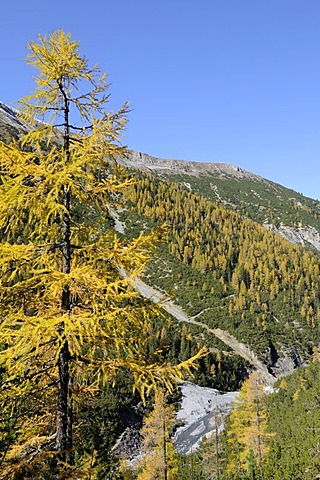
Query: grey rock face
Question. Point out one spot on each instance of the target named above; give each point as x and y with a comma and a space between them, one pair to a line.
145, 162
287, 363
10, 117
203, 410
302, 235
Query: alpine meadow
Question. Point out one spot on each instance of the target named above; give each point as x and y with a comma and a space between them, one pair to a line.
128, 281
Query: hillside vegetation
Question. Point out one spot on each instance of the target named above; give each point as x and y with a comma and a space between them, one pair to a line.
258, 199
230, 270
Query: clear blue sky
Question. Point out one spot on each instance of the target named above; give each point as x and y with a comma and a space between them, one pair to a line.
209, 80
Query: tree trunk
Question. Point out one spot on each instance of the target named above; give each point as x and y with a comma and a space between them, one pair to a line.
62, 404
216, 429
165, 466
64, 400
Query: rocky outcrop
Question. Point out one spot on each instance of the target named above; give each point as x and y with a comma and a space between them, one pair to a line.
304, 236
145, 162
287, 363
9, 116
128, 444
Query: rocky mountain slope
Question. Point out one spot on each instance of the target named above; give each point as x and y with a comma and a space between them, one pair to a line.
282, 210
277, 208
148, 163
10, 124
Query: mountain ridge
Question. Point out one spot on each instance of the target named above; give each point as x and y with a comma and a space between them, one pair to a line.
146, 162
256, 192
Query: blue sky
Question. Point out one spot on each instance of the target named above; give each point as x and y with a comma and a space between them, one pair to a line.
208, 80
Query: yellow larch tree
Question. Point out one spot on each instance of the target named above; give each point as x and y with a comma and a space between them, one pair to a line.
160, 460
247, 433
69, 320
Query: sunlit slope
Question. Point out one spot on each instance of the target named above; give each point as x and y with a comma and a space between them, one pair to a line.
231, 272
224, 269
276, 207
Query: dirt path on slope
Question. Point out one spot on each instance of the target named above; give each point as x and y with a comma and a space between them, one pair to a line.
178, 313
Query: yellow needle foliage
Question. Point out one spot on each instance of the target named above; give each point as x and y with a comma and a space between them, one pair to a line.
66, 312
247, 434
160, 460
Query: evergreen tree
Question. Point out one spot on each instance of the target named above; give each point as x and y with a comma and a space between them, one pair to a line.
69, 319
247, 434
160, 461
294, 417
